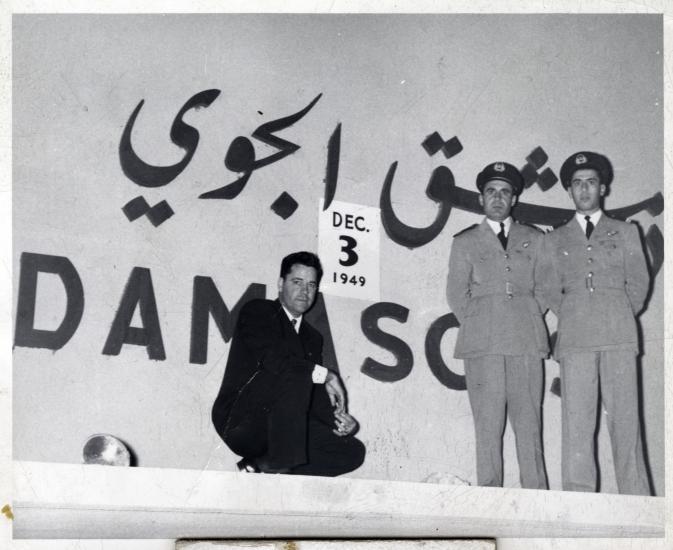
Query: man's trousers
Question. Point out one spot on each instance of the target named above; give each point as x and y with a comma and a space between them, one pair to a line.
614, 373
288, 420
498, 386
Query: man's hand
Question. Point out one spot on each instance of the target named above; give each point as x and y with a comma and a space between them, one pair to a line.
345, 424
335, 392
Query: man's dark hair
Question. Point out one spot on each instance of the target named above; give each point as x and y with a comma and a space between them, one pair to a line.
304, 258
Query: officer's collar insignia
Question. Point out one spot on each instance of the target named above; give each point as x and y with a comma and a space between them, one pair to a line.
580, 159
612, 233
565, 252
499, 167
525, 245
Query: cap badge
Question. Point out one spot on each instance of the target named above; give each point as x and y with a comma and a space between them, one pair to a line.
580, 159
499, 167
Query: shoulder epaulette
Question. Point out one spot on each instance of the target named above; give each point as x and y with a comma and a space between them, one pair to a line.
564, 222
466, 230
617, 220
529, 225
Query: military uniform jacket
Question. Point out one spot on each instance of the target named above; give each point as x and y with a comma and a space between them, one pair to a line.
595, 286
493, 292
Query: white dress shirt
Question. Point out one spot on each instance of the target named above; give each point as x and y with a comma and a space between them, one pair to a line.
593, 217
496, 225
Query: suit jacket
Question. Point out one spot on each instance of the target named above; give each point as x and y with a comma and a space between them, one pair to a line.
264, 340
612, 263
493, 292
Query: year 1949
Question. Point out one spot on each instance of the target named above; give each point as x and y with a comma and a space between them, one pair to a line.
343, 278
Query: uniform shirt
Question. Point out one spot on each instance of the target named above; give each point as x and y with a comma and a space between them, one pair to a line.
496, 225
319, 373
581, 219
594, 286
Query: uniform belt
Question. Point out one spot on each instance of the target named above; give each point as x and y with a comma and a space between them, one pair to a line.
499, 288
592, 282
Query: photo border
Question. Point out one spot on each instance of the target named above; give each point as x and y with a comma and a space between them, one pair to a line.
515, 497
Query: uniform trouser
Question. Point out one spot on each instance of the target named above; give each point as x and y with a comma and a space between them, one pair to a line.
501, 385
581, 376
288, 420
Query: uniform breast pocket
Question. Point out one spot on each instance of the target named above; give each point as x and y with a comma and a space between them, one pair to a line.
484, 267
523, 256
563, 258
613, 251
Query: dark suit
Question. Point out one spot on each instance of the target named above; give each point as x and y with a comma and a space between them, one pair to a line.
268, 404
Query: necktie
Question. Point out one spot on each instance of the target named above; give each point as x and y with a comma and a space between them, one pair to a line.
590, 226
502, 237
294, 324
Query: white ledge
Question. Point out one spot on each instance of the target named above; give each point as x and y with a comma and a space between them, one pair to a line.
76, 501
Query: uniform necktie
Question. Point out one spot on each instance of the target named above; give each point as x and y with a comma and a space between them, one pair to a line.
502, 237
294, 324
590, 226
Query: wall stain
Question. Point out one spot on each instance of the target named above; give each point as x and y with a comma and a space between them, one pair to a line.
7, 510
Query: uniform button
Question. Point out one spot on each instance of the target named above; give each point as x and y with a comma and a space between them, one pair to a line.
508, 268
506, 256
509, 296
590, 261
589, 247
590, 274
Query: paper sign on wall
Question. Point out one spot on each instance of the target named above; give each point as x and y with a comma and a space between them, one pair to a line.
349, 250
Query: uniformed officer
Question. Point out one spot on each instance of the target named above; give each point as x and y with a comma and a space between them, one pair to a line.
595, 280
502, 338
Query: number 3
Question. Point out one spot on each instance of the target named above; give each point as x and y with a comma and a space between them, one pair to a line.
349, 249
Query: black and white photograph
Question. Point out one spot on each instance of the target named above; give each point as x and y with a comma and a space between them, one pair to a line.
338, 275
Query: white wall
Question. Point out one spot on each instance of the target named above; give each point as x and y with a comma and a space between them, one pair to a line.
503, 84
